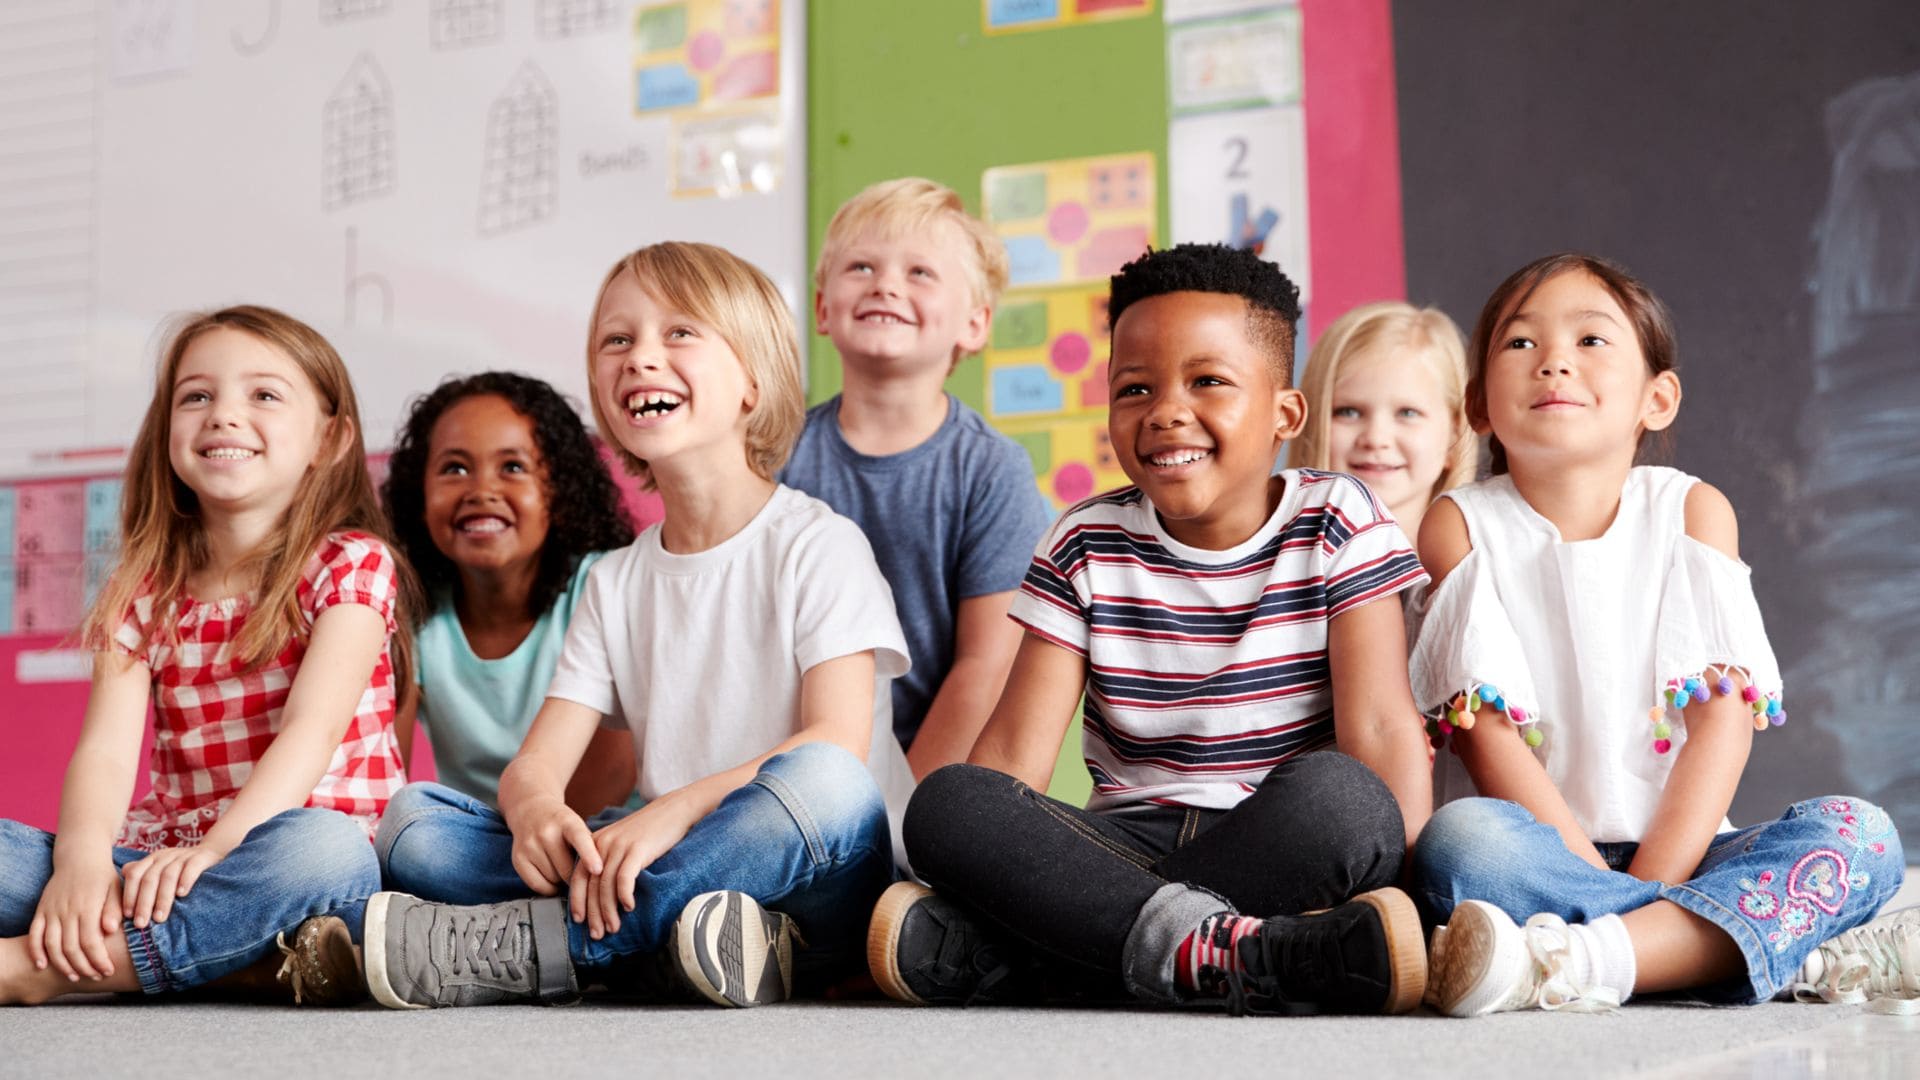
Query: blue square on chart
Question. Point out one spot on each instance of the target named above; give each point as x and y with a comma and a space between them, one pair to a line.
103, 516
1031, 262
1025, 390
666, 86
6, 595
1018, 12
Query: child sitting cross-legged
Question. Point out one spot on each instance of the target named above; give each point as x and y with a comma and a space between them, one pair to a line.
1253, 743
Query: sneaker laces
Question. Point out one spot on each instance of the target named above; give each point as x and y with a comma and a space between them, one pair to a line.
496, 936
1550, 984
289, 972
1308, 954
962, 951
1877, 965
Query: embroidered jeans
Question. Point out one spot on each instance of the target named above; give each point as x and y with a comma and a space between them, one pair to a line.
1778, 889
1114, 894
807, 836
297, 864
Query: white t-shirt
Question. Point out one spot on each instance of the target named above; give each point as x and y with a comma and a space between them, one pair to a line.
1588, 638
1205, 669
700, 656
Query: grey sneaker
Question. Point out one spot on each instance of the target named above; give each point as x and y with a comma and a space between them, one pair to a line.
733, 951
322, 965
422, 955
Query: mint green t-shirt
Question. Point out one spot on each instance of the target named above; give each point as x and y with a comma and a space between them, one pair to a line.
476, 712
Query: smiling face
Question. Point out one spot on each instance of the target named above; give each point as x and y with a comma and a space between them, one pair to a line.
668, 385
902, 302
245, 423
1389, 424
486, 487
1566, 380
1196, 415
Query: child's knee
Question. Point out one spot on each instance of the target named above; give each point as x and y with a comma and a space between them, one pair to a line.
948, 794
324, 849
825, 786
1459, 840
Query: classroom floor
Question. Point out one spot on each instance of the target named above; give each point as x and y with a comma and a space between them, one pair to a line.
105, 1037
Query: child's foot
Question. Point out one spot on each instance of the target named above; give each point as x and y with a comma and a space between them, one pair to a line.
322, 965
422, 955
1877, 964
923, 950
733, 951
1365, 956
1485, 964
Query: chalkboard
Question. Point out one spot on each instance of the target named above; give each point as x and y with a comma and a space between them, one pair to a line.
436, 185
1758, 164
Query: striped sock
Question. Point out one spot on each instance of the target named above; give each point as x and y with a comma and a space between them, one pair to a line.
1214, 944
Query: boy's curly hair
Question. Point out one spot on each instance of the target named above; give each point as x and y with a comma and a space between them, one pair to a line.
585, 511
1273, 301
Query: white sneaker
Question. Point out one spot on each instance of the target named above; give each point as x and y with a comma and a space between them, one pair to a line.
1486, 964
733, 951
1877, 964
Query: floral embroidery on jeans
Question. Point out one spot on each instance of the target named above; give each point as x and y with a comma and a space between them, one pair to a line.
1864, 828
1820, 878
1758, 903
1797, 918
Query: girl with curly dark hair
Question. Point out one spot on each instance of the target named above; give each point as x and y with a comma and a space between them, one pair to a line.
502, 503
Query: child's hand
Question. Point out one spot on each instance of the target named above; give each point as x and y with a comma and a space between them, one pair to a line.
78, 908
629, 846
153, 883
546, 838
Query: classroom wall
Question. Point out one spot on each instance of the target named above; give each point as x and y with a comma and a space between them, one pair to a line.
1758, 164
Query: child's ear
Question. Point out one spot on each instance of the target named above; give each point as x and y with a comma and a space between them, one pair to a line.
973, 336
1663, 402
1290, 412
336, 439
819, 311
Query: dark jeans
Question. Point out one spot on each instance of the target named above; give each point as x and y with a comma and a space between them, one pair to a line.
1114, 894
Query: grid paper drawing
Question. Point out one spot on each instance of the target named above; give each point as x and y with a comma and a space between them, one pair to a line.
571, 18
518, 181
338, 10
458, 23
357, 137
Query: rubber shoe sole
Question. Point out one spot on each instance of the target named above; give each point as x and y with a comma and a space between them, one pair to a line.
733, 952
1406, 948
883, 939
1474, 975
374, 948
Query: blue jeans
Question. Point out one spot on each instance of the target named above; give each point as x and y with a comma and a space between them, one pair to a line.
1778, 889
292, 866
807, 836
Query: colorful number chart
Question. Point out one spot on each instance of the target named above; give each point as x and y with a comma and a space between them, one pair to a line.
57, 543
1007, 16
698, 53
1068, 225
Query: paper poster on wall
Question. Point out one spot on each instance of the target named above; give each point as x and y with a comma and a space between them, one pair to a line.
1007, 16
150, 37
1240, 178
1239, 62
727, 154
1183, 10
701, 53
1046, 386
1074, 220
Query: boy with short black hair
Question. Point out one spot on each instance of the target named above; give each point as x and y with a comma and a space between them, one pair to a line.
905, 287
1223, 623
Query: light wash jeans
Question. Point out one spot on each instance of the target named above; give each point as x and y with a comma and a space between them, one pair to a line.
297, 864
1778, 889
807, 836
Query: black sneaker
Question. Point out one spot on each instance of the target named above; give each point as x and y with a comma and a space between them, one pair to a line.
925, 951
1364, 957
422, 955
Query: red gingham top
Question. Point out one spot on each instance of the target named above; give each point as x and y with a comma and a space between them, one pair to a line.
212, 720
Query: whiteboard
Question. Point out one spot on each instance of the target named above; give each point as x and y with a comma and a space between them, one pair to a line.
435, 185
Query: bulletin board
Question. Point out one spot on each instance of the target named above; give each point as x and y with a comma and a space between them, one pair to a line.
1082, 131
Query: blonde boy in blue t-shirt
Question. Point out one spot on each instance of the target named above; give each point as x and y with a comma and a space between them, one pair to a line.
906, 287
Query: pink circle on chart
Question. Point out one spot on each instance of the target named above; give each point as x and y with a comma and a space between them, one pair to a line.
1071, 351
705, 49
1073, 482
1067, 222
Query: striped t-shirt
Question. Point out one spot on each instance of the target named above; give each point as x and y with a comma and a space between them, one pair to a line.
1205, 669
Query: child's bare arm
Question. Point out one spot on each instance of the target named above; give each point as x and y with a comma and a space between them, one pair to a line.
547, 836
1374, 717
606, 773
1498, 760
1707, 768
1022, 737
984, 643
81, 902
406, 721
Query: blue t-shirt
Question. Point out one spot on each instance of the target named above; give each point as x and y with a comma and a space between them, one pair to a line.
476, 712
953, 518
